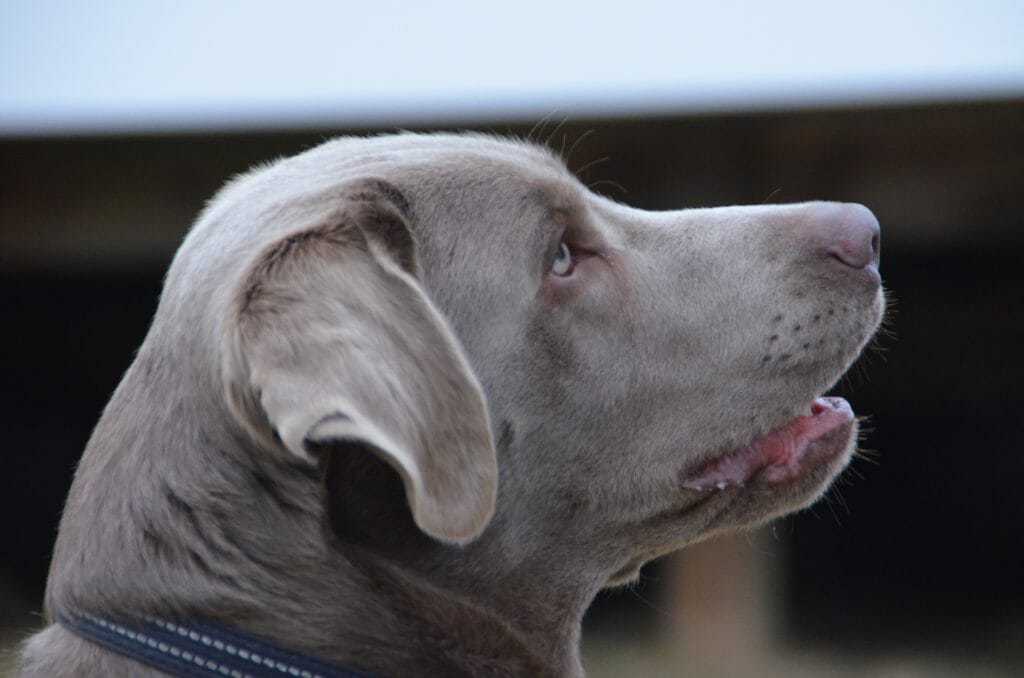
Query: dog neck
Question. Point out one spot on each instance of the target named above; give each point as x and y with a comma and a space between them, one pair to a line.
459, 632
251, 543
431, 609
484, 607
507, 599
323, 560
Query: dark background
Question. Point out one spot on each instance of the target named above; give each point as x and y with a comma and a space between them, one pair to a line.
920, 550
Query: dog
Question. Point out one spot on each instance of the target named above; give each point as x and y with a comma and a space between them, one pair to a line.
409, 402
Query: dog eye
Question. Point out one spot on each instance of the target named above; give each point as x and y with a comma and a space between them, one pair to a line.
563, 264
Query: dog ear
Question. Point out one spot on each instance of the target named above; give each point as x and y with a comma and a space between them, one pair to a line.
341, 345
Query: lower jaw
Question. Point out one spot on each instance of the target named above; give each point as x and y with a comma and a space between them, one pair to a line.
833, 447
768, 496
735, 508
783, 455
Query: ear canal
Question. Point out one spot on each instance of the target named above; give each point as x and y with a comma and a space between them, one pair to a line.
342, 344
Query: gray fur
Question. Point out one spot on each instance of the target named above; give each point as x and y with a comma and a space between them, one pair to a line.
318, 366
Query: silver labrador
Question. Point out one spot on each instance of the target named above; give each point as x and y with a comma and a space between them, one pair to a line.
409, 402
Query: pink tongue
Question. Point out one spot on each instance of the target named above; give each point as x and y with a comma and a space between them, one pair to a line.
782, 447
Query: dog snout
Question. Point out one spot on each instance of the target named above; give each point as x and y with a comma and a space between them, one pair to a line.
847, 236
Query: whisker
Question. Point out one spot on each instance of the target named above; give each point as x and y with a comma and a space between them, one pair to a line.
538, 126
575, 144
659, 610
869, 456
547, 142
864, 432
592, 164
610, 182
842, 501
860, 476
832, 510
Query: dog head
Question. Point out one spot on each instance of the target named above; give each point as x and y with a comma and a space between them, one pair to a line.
533, 362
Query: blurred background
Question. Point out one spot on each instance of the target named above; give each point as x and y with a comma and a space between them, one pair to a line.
119, 119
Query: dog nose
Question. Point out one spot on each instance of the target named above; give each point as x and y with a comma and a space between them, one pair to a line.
849, 234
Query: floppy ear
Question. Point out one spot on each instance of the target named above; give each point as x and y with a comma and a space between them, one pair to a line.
341, 344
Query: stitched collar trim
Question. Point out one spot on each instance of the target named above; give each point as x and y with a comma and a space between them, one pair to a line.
199, 649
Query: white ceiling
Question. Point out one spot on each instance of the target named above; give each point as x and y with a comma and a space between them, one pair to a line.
69, 66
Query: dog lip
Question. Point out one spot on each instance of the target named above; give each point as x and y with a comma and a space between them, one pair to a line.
782, 454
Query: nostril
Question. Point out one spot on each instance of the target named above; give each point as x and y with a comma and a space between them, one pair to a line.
850, 234
852, 253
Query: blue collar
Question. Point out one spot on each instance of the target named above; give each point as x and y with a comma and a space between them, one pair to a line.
199, 650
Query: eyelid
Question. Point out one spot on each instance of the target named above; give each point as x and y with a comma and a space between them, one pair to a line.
572, 233
558, 236
576, 232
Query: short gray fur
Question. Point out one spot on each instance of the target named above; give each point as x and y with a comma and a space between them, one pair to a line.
365, 426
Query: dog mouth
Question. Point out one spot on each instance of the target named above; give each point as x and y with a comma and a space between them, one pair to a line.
783, 454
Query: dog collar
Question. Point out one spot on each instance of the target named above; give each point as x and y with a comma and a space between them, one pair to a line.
199, 649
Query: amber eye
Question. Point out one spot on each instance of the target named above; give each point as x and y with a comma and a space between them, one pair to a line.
563, 263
